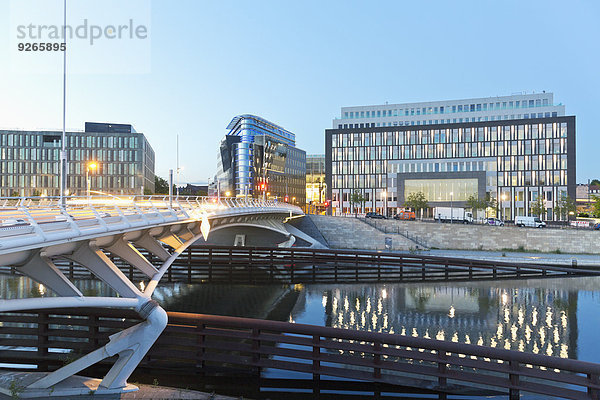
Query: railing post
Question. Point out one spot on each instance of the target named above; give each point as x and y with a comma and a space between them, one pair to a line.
256, 350
201, 341
442, 370
210, 264
514, 393
593, 393
189, 265
42, 364
335, 268
356, 269
316, 364
291, 266
376, 360
271, 266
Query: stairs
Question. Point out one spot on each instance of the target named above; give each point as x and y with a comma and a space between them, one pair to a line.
354, 233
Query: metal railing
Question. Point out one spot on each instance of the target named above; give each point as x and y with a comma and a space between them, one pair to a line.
44, 218
200, 344
260, 265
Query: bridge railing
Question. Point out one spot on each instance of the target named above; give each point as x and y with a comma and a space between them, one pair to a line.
37, 215
198, 344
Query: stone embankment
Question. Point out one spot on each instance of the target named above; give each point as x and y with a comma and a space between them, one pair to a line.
352, 233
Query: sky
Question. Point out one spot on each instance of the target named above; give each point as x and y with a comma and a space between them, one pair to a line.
296, 64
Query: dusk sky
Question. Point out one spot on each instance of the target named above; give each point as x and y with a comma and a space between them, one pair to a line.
297, 63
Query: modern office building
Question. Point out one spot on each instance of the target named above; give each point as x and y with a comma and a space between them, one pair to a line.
514, 161
316, 188
259, 159
123, 160
501, 108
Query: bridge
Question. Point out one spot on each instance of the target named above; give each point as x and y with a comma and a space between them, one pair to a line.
151, 238
35, 232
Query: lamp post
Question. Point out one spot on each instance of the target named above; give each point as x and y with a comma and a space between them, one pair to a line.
90, 166
451, 206
503, 197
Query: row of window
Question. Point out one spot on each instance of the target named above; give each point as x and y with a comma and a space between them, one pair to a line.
454, 150
14, 167
475, 107
448, 121
507, 179
35, 154
451, 135
53, 139
42, 182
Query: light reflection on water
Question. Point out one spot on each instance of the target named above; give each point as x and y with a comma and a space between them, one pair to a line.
555, 317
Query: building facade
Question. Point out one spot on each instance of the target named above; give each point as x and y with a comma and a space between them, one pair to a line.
259, 159
123, 159
513, 161
316, 187
500, 108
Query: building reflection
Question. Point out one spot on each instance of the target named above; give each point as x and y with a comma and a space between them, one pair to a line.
536, 320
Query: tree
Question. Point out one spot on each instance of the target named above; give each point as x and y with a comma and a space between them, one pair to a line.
595, 182
474, 203
357, 199
596, 206
490, 202
538, 207
564, 207
416, 201
161, 186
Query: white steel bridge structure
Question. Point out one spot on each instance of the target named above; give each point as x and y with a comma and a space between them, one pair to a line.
35, 232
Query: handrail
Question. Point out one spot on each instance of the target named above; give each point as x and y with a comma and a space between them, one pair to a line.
199, 341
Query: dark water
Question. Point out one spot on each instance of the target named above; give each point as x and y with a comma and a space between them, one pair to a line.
557, 317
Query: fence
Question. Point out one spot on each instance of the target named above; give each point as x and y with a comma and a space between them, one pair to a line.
198, 344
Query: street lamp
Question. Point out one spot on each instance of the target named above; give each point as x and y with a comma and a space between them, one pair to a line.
90, 166
451, 206
503, 197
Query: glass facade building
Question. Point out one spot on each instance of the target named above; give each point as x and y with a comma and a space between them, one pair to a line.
498, 108
514, 161
29, 161
259, 158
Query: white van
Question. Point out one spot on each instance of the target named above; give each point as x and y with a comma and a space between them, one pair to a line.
534, 222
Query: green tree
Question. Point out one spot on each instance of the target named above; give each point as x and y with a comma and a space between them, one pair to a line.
357, 200
596, 206
537, 207
564, 207
474, 203
416, 201
595, 182
161, 186
490, 202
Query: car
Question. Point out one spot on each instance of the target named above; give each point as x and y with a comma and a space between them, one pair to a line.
597, 227
495, 222
534, 222
374, 215
405, 215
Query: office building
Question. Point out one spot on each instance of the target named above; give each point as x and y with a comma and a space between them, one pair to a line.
123, 161
500, 108
514, 161
259, 159
316, 188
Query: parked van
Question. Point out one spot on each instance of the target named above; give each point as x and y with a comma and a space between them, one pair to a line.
534, 222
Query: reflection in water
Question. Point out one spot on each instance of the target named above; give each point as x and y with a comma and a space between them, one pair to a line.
537, 320
538, 316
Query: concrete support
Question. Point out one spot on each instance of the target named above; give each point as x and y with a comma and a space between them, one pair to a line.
41, 269
90, 256
122, 248
149, 243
